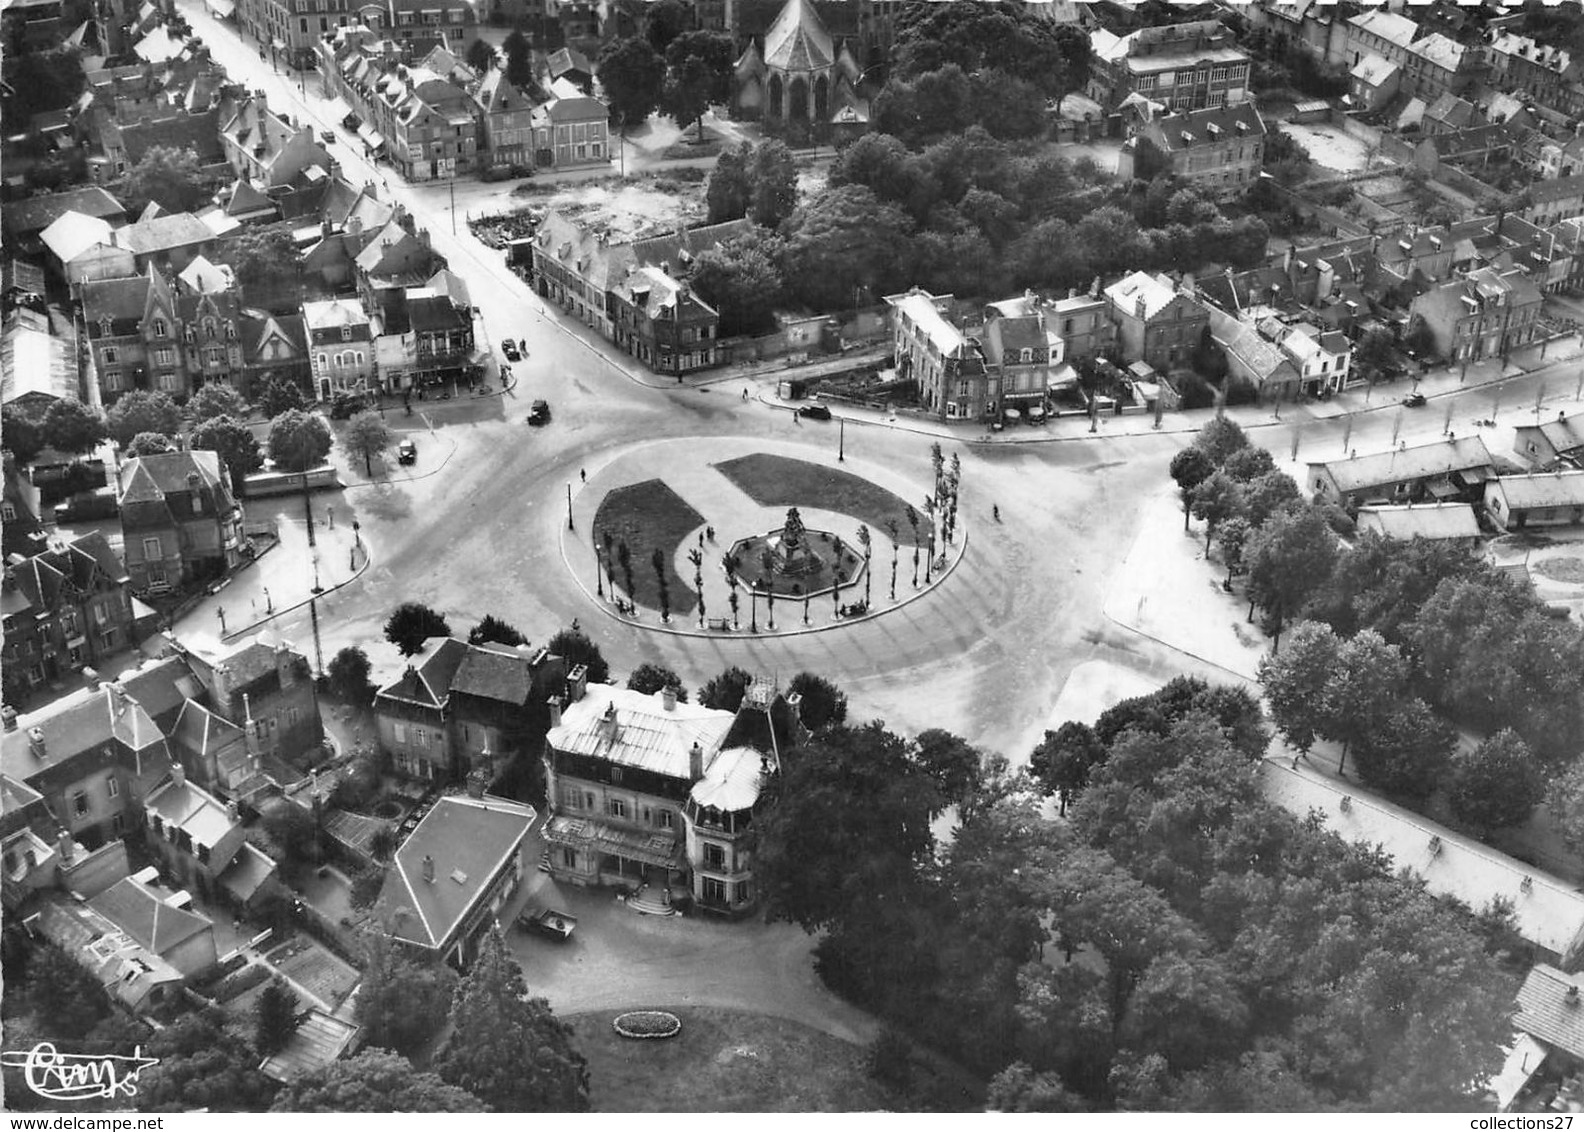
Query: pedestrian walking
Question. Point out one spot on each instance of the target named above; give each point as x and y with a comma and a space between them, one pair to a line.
583, 474
745, 393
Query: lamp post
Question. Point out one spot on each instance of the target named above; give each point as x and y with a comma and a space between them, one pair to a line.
269, 606
841, 440
569, 507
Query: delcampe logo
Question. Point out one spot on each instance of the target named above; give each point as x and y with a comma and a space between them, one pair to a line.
78, 1076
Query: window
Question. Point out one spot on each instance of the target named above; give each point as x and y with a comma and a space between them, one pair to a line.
616, 807
151, 548
569, 858
616, 775
112, 379
110, 355
165, 356
420, 737
400, 731
667, 819
8, 512
159, 328
346, 334
571, 799
714, 855
117, 824
113, 787
714, 890
79, 803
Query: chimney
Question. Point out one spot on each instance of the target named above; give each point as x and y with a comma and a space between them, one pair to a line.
577, 683
668, 697
1139, 307
68, 848
178, 774
1572, 995
92, 677
554, 704
428, 868
696, 762
233, 815
9, 715
36, 742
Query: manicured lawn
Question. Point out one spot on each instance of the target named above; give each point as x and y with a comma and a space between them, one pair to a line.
776, 481
724, 1061
649, 516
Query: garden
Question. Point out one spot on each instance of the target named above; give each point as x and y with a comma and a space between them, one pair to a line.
640, 519
779, 481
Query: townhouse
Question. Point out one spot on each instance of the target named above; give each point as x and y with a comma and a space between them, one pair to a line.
340, 347
1487, 313
1218, 150
180, 523
266, 148
1548, 74
1156, 323
946, 365
1188, 66
143, 335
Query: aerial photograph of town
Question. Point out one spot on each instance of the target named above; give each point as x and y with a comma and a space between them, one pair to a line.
797, 556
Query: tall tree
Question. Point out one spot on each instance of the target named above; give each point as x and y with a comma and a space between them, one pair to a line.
20, 434
376, 1080
367, 437
1220, 438
411, 624
402, 1001
1295, 681
1497, 783
237, 446
150, 444
698, 76
729, 191
506, 1048
1189, 468
823, 703
725, 692
72, 427
632, 76
492, 628
142, 411
1064, 759
842, 241
519, 59
264, 256
1218, 498
1407, 752
348, 674
773, 175
952, 763
202, 1065
664, 22
275, 395
274, 1017
742, 279
1288, 560
216, 400
578, 649
167, 176
481, 55
650, 678
298, 440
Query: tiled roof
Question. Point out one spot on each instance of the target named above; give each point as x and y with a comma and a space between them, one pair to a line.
633, 729
1540, 489
429, 683
1178, 132
117, 299
1422, 520
1440, 51
1156, 293
797, 40
175, 230
127, 970
1399, 30
1558, 188
78, 723
1551, 1008
1373, 70
1441, 457
189, 807
141, 912
432, 312
466, 840
200, 730
34, 214
1564, 435
147, 479
1260, 356
495, 673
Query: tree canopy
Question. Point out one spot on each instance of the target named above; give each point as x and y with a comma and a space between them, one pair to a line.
576, 648
202, 1065
72, 427
698, 76
650, 678
492, 628
403, 1001
724, 692
366, 437
216, 400
348, 674
823, 704
150, 444
632, 75
298, 440
411, 624
20, 434
167, 176
236, 444
142, 411
376, 1080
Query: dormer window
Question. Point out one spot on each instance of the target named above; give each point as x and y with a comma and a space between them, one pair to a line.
160, 328
106, 325
346, 334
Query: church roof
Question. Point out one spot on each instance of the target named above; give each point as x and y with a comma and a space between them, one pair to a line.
798, 41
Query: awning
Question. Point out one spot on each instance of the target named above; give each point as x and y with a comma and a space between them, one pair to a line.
225, 9
1441, 489
370, 136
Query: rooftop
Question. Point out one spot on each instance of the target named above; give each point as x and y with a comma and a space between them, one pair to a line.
732, 781
142, 912
1549, 1008
1421, 520
1540, 489
188, 807
1441, 457
636, 730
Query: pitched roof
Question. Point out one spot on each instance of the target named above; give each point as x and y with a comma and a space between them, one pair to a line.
1557, 188
34, 214
1421, 520
140, 911
201, 275
125, 968
74, 233
202, 731
116, 299
636, 730
1391, 27
732, 780
162, 233
1373, 70
1551, 1008
466, 841
429, 683
1441, 457
1154, 291
433, 312
148, 479
1564, 435
1178, 132
495, 673
35, 362
797, 40
187, 806
1440, 51
1540, 489
329, 314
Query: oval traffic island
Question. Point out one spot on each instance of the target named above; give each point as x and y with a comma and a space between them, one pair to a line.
643, 1025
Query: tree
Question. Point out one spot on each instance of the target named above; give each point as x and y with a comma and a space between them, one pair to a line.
402, 1001
275, 395
1496, 784
1269, 494
1235, 534
237, 446
494, 629
61, 994
1249, 464
978, 37
376, 1080
263, 256
823, 704
1065, 758
773, 176
841, 241
1288, 560
349, 676
411, 624
367, 436
294, 831
949, 760
1295, 680
1565, 801
506, 1048
481, 56
664, 21
150, 444
21, 435
202, 1065
730, 187
519, 59
1408, 751
698, 75
366, 886
1419, 338
726, 691
1220, 438
1190, 467
742, 279
167, 176
1375, 354
72, 427
298, 441
274, 1017
216, 400
662, 584
650, 678
141, 411
632, 75
1017, 1088
1218, 498
577, 649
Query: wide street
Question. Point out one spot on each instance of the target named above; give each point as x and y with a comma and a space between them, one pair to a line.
985, 655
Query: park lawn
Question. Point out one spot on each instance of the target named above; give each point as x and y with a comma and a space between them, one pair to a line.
724, 1061
778, 481
647, 516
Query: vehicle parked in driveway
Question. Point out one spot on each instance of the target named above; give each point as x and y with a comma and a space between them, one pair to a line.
406, 452
549, 922
539, 413
510, 351
814, 412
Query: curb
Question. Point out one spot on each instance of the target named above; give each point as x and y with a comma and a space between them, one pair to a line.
436, 470
368, 557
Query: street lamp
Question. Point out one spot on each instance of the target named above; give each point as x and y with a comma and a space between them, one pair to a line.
569, 507
841, 440
269, 606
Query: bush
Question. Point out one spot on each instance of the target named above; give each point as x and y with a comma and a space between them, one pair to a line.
645, 1024
1241, 391
1195, 392
239, 983
890, 1060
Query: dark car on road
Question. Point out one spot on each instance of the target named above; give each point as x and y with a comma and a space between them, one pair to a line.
814, 412
539, 413
407, 452
509, 349
1414, 400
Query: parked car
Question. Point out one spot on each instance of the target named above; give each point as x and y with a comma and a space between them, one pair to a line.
406, 452
539, 413
814, 412
556, 924
509, 349
1414, 400
327, 137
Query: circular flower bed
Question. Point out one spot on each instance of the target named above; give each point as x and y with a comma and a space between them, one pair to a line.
645, 1024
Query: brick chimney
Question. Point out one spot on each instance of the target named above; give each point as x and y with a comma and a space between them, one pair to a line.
36, 742
554, 704
92, 677
696, 762
428, 868
668, 697
233, 815
9, 715
577, 683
